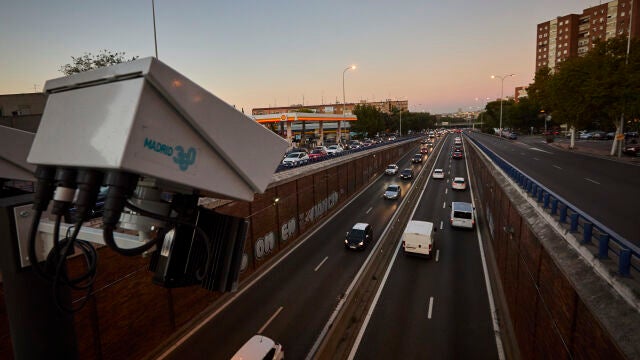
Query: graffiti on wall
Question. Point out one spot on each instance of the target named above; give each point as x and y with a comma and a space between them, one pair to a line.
264, 245
288, 229
319, 209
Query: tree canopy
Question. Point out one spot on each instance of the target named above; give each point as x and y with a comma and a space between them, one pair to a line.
589, 91
89, 61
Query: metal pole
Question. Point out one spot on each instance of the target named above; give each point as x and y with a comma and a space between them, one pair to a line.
155, 39
501, 96
344, 106
626, 62
401, 122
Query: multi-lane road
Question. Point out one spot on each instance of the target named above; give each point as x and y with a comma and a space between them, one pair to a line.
606, 190
438, 308
294, 300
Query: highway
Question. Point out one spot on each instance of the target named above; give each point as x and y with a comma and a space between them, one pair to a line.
293, 301
434, 308
606, 190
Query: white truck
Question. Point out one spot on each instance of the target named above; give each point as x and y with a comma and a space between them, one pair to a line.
418, 238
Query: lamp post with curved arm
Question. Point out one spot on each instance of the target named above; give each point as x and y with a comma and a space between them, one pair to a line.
501, 96
344, 104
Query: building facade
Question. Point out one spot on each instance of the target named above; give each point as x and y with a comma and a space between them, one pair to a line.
22, 111
574, 35
386, 106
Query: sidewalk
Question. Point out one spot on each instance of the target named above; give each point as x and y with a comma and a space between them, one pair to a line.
596, 148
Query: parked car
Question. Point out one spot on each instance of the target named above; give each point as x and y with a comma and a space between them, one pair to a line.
392, 169
599, 135
586, 136
632, 149
295, 159
259, 347
438, 174
392, 192
417, 158
361, 235
406, 174
513, 135
317, 154
334, 150
458, 183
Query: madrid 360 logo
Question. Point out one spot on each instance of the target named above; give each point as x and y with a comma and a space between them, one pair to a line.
184, 158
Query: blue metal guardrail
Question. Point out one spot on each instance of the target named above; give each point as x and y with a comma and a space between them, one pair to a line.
586, 229
347, 152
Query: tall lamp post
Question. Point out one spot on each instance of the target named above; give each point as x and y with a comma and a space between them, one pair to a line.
501, 96
155, 39
344, 103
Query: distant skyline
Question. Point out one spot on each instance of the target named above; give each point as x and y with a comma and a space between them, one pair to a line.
439, 56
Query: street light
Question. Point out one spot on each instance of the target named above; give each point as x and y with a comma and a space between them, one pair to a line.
501, 96
344, 103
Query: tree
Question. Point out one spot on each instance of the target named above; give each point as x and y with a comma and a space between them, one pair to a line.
89, 61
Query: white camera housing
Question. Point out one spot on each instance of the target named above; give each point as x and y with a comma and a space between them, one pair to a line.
145, 118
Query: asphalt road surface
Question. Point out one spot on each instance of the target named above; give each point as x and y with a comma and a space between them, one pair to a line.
608, 191
434, 308
292, 303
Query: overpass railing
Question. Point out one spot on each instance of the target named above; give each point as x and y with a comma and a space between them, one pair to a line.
586, 229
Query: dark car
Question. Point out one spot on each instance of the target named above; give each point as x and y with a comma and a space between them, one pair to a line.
457, 155
360, 236
417, 158
632, 149
406, 174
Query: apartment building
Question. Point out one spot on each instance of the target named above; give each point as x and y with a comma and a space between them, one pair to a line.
573, 35
385, 106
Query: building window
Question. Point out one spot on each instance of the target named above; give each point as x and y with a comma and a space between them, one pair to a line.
622, 13
565, 51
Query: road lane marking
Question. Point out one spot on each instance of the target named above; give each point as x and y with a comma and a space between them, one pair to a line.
368, 211
437, 255
270, 320
321, 262
557, 167
444, 204
593, 181
430, 307
441, 225
536, 149
536, 159
446, 190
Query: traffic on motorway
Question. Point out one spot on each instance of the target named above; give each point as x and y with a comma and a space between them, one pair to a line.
292, 302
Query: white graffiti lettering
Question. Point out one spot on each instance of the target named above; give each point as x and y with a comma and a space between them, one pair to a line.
288, 229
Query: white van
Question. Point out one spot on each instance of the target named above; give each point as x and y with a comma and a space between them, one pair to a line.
462, 215
418, 238
259, 348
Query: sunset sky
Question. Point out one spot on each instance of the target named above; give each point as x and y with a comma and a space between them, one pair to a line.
439, 55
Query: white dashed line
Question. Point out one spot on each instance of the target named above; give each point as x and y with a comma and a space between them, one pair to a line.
444, 204
270, 320
368, 211
322, 262
446, 190
437, 255
557, 167
441, 225
430, 307
536, 149
536, 159
593, 181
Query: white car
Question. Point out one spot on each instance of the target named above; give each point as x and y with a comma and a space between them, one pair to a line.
458, 183
438, 174
259, 348
295, 159
392, 192
334, 149
392, 169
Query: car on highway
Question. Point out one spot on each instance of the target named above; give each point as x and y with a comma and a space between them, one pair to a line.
406, 174
296, 159
259, 347
392, 169
334, 149
359, 237
417, 158
457, 155
317, 154
392, 192
458, 183
438, 174
462, 215
424, 150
